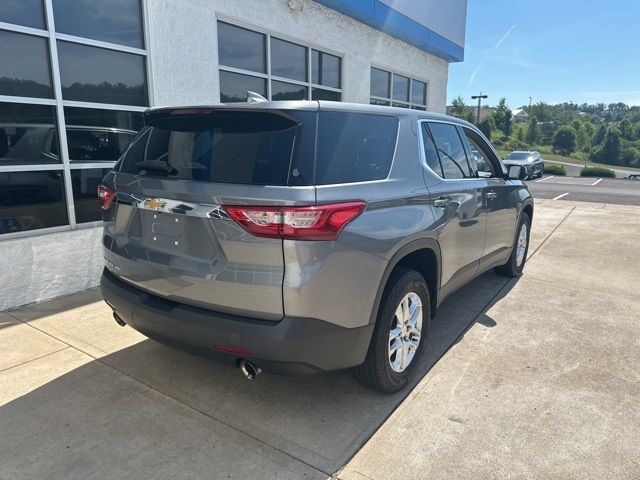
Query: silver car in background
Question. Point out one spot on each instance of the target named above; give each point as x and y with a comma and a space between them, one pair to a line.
531, 161
299, 237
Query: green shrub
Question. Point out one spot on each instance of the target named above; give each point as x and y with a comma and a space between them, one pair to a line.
597, 172
631, 157
553, 169
514, 144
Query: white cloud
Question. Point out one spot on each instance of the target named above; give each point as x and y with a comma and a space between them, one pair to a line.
505, 36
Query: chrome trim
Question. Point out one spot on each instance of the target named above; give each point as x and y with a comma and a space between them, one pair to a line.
175, 207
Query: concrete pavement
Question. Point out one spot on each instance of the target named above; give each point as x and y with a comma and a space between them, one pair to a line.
530, 379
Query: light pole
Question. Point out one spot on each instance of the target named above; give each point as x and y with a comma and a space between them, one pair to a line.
529, 107
479, 98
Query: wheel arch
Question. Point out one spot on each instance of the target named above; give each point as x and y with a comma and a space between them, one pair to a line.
422, 255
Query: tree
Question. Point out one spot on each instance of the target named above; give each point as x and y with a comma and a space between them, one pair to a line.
583, 141
564, 141
520, 135
598, 138
533, 133
487, 126
631, 157
502, 117
610, 152
459, 109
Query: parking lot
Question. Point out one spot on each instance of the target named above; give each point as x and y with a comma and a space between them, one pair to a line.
534, 378
587, 189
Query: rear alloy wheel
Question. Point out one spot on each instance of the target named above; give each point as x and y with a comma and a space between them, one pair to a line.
399, 335
518, 257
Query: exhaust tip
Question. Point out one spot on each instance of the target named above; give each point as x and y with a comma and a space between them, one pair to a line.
248, 369
118, 320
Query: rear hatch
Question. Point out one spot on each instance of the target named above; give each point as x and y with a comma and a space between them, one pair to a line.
166, 231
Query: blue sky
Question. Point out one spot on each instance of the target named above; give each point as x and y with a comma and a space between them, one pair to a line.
552, 50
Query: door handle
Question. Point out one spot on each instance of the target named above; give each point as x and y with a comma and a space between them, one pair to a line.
441, 202
491, 195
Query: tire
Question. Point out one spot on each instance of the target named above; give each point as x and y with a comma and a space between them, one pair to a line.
513, 268
380, 370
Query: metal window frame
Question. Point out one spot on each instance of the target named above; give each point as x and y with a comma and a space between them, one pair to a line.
268, 76
66, 165
411, 78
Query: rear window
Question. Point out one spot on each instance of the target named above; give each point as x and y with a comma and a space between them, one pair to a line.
256, 148
354, 147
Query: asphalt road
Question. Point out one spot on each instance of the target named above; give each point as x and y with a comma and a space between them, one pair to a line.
573, 169
607, 190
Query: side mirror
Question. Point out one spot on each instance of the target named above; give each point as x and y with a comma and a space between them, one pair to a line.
517, 172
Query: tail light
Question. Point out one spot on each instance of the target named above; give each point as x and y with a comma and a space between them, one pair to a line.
105, 196
320, 222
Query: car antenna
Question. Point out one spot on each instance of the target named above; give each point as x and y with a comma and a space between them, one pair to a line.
253, 97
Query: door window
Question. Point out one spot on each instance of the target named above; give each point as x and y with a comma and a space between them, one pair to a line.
480, 157
450, 150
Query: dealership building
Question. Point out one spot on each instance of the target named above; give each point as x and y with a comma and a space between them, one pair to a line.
75, 76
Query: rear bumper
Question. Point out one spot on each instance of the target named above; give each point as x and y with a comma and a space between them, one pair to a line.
291, 345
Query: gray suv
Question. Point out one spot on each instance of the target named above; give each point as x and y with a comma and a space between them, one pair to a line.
298, 237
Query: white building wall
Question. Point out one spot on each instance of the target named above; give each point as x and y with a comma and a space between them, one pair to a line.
184, 56
45, 266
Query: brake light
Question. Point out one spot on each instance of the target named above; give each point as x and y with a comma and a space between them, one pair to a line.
320, 222
105, 196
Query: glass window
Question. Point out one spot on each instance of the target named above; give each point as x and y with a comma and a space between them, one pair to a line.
28, 134
95, 135
320, 94
85, 188
400, 88
24, 65
480, 159
227, 146
115, 21
400, 105
430, 151
374, 101
380, 81
418, 108
287, 91
92, 74
288, 60
354, 147
326, 69
28, 13
234, 86
241, 48
31, 200
418, 92
453, 158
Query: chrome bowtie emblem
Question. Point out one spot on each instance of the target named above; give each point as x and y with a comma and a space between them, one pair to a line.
154, 204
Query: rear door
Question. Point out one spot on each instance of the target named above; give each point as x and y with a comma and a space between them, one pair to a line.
457, 196
167, 232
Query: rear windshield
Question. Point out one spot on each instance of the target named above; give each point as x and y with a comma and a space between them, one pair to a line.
261, 148
229, 147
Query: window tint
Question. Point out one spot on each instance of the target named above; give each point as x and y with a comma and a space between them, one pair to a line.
288, 60
98, 75
241, 48
85, 188
326, 69
320, 94
95, 135
227, 147
28, 13
234, 87
115, 21
354, 147
31, 200
380, 81
287, 91
24, 65
28, 134
430, 151
453, 158
480, 159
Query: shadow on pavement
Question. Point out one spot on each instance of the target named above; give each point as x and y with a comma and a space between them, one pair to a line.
87, 423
